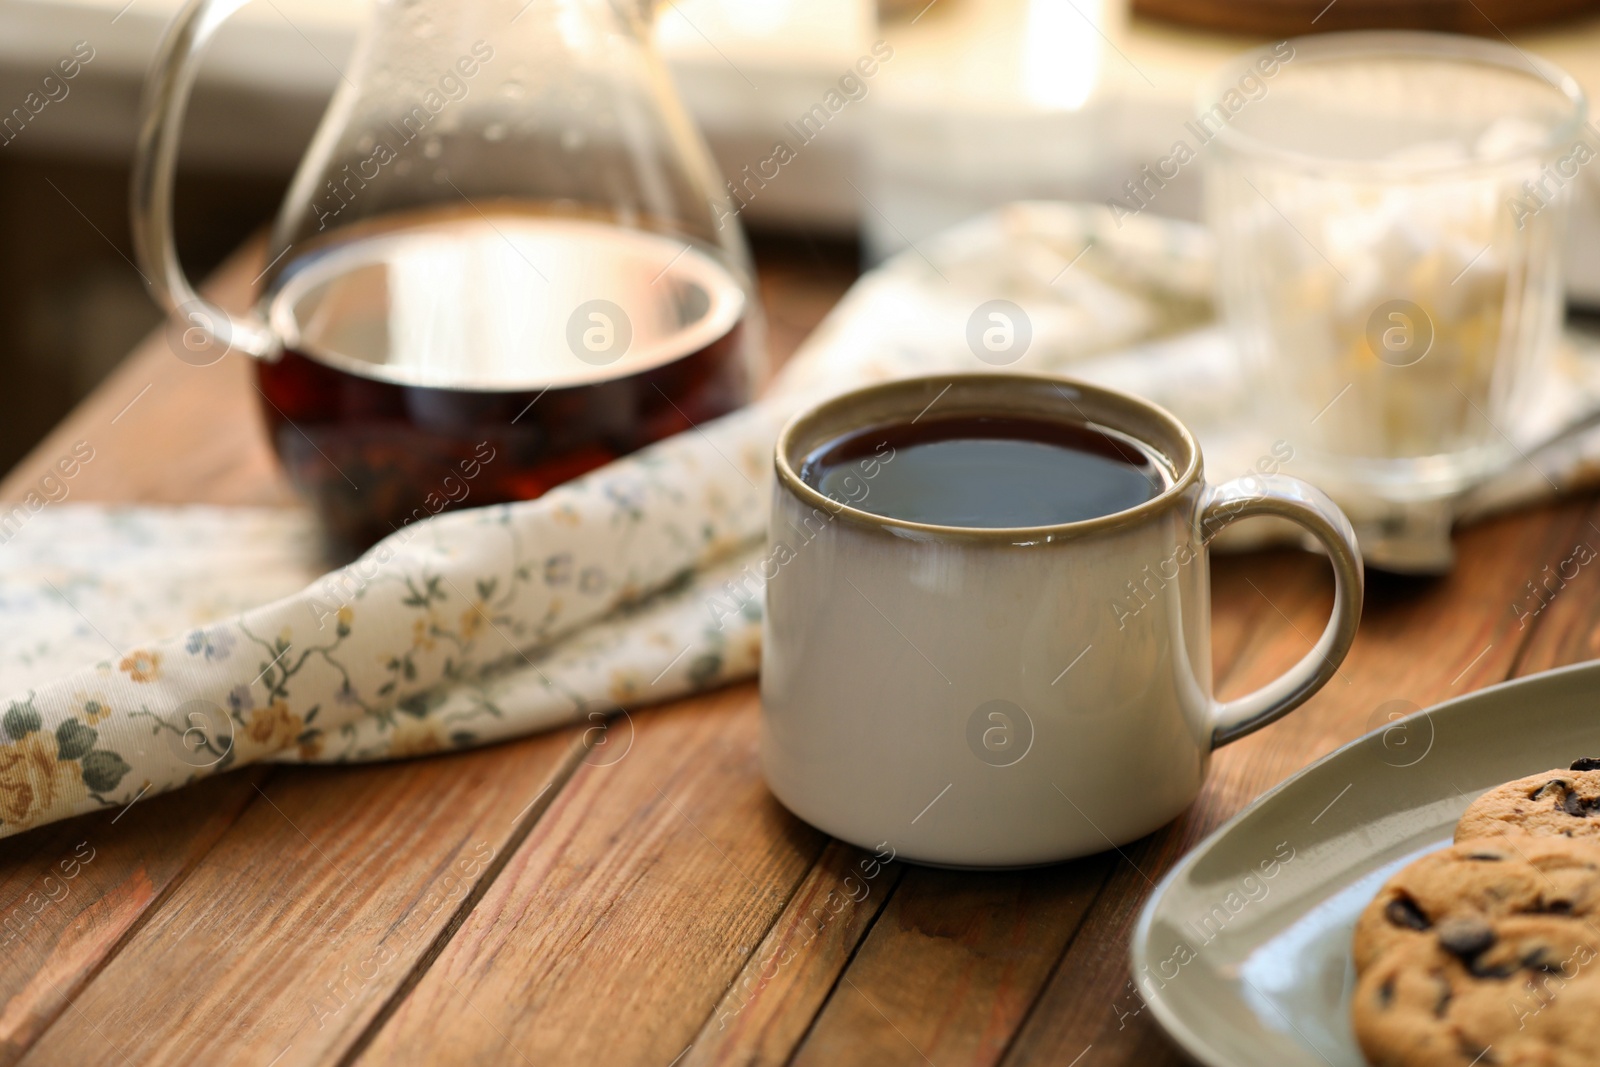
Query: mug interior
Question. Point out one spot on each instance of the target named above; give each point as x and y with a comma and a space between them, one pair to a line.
1108, 411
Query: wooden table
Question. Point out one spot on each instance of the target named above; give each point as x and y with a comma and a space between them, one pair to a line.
531, 904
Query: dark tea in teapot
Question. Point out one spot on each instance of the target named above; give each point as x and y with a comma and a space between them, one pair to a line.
454, 359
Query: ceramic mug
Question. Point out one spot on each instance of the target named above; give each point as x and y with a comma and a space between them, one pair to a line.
979, 697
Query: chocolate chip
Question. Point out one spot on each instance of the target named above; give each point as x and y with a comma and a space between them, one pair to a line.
1573, 805
1485, 857
1386, 993
1535, 961
1466, 938
1587, 763
1403, 911
1503, 970
1554, 907
1562, 783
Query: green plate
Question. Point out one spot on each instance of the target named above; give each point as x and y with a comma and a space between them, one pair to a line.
1243, 953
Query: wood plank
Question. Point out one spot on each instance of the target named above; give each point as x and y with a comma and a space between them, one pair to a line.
1557, 602
953, 965
70, 893
1404, 652
800, 280
768, 1007
627, 914
290, 934
165, 431
1240, 619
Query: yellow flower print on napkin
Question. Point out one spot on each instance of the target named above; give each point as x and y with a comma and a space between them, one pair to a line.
34, 780
310, 745
626, 685
274, 726
141, 666
415, 737
474, 619
422, 634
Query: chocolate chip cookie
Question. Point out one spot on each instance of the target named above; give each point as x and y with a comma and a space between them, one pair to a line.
1552, 804
1521, 991
1483, 879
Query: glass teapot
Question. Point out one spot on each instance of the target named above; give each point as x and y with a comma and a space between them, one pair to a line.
505, 260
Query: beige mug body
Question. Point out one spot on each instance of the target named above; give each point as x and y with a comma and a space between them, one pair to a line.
1009, 697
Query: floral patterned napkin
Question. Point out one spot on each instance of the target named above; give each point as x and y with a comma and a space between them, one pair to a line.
631, 585
467, 628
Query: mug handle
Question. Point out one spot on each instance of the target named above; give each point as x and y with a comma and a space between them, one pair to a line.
166, 97
1312, 510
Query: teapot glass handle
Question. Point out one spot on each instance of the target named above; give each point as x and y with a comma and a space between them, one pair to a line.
1311, 509
166, 97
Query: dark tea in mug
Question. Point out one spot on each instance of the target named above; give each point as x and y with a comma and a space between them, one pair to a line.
994, 472
460, 359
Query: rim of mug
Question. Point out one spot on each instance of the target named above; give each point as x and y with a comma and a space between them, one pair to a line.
1182, 471
1357, 44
